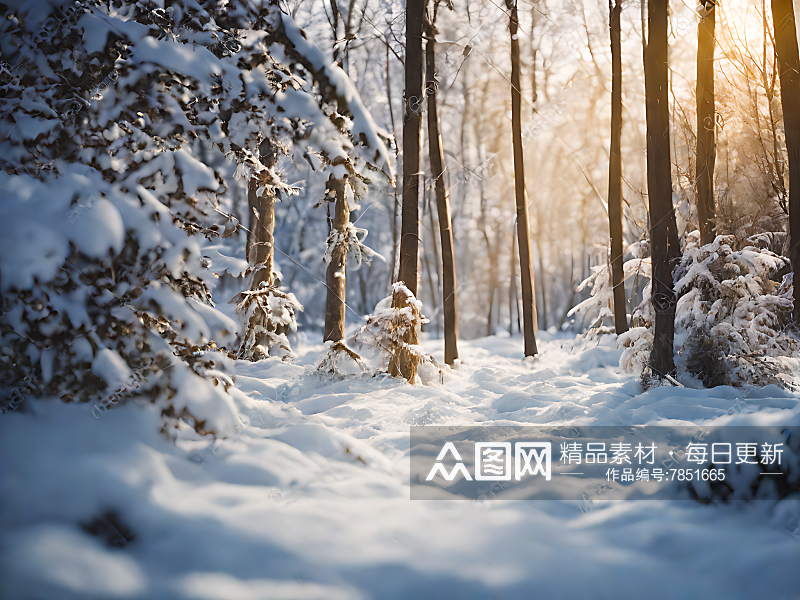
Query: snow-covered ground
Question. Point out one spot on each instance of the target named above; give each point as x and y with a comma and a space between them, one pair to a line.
311, 500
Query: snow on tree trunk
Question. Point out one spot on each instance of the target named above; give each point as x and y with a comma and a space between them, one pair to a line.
442, 204
786, 47
615, 175
335, 275
706, 124
526, 269
663, 228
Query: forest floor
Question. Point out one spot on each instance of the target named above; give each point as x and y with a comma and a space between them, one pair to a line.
311, 500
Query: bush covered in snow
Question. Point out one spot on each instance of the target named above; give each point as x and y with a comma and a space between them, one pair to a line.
733, 315
119, 122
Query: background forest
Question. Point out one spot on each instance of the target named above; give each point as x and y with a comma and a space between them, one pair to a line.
286, 122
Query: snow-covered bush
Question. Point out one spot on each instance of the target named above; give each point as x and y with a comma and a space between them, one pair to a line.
385, 331
115, 122
636, 344
733, 314
269, 315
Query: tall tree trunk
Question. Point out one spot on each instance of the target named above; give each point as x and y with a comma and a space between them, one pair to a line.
706, 127
615, 174
260, 250
405, 363
433, 287
442, 204
396, 206
513, 299
335, 276
786, 47
526, 270
663, 229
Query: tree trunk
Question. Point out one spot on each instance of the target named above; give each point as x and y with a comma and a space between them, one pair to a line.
706, 126
260, 250
526, 271
442, 205
786, 47
513, 300
396, 206
406, 364
615, 174
335, 276
663, 229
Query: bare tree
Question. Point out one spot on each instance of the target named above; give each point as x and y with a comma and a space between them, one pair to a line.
526, 270
706, 123
442, 200
663, 228
786, 47
615, 173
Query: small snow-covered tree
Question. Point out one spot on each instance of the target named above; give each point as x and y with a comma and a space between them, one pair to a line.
387, 330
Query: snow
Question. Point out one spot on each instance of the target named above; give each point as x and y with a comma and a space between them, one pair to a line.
307, 494
42, 219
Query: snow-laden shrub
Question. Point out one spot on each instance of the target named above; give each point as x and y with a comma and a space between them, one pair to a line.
733, 314
115, 123
636, 344
385, 331
269, 315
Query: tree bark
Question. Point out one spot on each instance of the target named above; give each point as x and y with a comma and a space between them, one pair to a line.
442, 205
335, 277
260, 250
663, 228
786, 47
615, 174
405, 363
526, 270
706, 127
409, 229
513, 299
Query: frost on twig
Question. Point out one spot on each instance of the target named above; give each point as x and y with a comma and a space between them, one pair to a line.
353, 239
